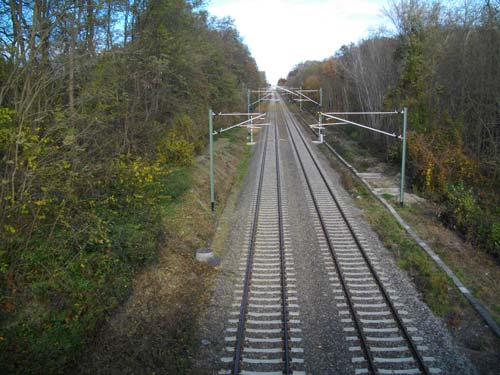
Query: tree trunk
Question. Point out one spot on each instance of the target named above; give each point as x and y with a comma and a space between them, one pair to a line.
90, 27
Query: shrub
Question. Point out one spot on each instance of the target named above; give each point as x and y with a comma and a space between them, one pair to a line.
478, 224
86, 238
174, 149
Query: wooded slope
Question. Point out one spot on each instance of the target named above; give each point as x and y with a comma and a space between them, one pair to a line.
102, 103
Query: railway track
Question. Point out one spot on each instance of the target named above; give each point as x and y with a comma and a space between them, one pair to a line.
380, 334
263, 334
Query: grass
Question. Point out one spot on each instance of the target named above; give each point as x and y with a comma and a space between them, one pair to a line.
474, 268
242, 168
178, 182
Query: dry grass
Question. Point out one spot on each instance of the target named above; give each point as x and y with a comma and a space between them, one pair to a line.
475, 268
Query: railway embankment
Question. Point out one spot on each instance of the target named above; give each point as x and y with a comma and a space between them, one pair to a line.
154, 329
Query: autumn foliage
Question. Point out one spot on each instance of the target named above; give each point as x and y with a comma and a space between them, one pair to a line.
443, 63
102, 106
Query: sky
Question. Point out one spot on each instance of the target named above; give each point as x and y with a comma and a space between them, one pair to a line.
282, 33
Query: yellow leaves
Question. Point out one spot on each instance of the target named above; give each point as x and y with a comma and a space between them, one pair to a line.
31, 162
428, 176
6, 115
435, 165
10, 229
173, 148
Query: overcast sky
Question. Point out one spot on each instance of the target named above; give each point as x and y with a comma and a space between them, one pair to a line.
282, 33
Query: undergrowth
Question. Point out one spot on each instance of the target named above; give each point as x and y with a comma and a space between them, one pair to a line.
76, 265
75, 261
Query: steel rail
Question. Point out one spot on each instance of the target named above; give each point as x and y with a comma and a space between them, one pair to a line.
357, 323
248, 271
458, 284
284, 298
398, 319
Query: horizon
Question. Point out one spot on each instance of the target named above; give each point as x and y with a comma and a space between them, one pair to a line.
307, 24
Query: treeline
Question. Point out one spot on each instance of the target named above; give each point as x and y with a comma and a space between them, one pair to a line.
443, 63
101, 103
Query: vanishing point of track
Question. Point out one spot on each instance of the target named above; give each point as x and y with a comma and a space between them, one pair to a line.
266, 332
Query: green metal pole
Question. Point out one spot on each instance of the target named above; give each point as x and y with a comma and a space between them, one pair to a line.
249, 132
403, 158
211, 142
249, 117
300, 102
320, 133
321, 98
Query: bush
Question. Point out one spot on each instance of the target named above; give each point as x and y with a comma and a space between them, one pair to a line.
174, 149
74, 265
473, 220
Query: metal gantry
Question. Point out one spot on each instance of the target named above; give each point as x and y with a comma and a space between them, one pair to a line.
301, 97
248, 123
342, 121
267, 96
